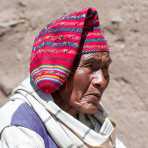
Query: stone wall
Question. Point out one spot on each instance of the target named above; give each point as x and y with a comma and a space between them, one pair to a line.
125, 26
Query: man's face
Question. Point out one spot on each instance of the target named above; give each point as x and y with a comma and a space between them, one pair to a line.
85, 88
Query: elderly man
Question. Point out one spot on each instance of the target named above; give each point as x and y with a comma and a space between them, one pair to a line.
59, 104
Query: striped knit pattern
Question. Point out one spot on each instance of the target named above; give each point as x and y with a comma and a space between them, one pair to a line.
57, 45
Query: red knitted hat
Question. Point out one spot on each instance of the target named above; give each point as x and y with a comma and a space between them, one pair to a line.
57, 45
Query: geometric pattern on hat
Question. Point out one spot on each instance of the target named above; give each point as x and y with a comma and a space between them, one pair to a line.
57, 45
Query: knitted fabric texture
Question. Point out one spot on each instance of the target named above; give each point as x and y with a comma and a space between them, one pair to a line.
58, 44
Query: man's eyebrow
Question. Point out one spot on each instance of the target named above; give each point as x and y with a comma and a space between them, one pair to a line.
90, 60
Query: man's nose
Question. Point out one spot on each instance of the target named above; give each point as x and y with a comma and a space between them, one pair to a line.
98, 79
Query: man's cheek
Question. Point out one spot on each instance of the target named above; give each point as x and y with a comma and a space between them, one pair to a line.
81, 78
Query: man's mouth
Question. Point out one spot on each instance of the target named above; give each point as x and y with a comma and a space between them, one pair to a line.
94, 98
94, 94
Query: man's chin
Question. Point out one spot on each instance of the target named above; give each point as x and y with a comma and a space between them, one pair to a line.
89, 109
86, 108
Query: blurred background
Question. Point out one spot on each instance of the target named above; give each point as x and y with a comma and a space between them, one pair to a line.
125, 25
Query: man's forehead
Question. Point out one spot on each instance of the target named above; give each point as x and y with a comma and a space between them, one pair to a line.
103, 56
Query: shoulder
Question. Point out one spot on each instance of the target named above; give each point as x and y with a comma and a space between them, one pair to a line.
15, 136
21, 115
7, 111
20, 137
26, 117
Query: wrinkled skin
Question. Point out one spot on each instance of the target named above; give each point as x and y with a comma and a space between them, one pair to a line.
83, 90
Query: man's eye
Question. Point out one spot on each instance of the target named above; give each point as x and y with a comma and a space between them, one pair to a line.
92, 66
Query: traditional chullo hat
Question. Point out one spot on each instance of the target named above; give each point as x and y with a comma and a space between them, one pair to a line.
58, 44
